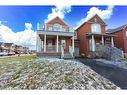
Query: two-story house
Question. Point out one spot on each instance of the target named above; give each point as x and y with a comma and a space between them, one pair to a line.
92, 33
121, 39
10, 48
56, 38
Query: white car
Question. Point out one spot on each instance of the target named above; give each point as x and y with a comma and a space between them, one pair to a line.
3, 54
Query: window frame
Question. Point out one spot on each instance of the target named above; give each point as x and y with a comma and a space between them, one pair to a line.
96, 28
57, 27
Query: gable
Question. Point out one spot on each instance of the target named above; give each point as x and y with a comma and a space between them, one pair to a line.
57, 20
92, 20
96, 19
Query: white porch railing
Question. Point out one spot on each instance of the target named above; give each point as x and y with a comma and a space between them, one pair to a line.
51, 48
71, 51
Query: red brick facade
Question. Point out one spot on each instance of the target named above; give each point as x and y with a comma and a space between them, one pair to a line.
86, 28
121, 39
65, 26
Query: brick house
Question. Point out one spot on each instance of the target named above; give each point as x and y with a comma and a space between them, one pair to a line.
56, 38
121, 37
92, 33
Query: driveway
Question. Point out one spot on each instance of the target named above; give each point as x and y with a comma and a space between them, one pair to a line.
115, 74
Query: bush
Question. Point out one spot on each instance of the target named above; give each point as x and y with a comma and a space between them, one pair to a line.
125, 55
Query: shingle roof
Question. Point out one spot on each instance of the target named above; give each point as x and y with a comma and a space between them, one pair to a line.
116, 29
8, 44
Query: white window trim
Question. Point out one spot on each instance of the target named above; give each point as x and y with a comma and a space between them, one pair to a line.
96, 28
126, 33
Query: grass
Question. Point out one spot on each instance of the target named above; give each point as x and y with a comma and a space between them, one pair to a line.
17, 58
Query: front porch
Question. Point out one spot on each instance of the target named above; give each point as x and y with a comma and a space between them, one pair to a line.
97, 41
55, 45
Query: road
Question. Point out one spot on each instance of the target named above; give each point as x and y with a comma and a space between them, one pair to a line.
115, 74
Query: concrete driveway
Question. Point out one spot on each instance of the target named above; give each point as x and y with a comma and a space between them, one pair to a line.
115, 74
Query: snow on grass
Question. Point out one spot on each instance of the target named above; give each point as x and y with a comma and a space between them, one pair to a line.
50, 74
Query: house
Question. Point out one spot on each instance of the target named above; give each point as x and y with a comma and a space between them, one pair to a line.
56, 38
121, 39
91, 34
3, 49
25, 50
1, 46
10, 48
18, 49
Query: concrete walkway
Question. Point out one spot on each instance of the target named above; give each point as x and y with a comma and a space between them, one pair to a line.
15, 55
115, 74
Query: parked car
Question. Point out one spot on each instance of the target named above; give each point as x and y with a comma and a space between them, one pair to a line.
3, 54
11, 53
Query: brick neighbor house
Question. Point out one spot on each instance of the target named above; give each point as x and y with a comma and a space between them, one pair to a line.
55, 38
92, 33
121, 39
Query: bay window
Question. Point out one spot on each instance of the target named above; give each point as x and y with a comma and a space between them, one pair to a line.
96, 28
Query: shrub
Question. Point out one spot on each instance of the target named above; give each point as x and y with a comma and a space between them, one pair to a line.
125, 55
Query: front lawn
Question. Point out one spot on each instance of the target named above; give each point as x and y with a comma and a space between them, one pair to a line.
17, 58
22, 73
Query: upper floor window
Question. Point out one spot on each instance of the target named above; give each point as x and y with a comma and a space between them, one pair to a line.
57, 27
96, 28
50, 28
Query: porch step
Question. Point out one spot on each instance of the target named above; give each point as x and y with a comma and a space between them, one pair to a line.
52, 55
67, 56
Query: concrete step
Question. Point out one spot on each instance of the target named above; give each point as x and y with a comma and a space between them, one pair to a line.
67, 56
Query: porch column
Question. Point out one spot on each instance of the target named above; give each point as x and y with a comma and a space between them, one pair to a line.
38, 43
112, 42
45, 43
102, 38
57, 39
93, 43
73, 44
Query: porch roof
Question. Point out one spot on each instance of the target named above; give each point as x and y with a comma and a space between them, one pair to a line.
95, 34
69, 34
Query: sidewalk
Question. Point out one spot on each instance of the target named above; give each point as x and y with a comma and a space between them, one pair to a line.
15, 55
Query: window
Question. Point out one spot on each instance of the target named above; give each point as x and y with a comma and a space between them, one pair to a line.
50, 28
126, 33
96, 28
57, 27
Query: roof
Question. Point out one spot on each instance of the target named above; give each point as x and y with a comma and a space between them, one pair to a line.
1, 43
58, 20
96, 15
8, 44
117, 29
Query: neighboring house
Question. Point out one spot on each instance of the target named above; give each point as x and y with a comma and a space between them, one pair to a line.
10, 48
92, 33
121, 39
18, 49
2, 47
55, 39
25, 50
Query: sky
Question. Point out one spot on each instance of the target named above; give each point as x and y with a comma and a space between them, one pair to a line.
18, 24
